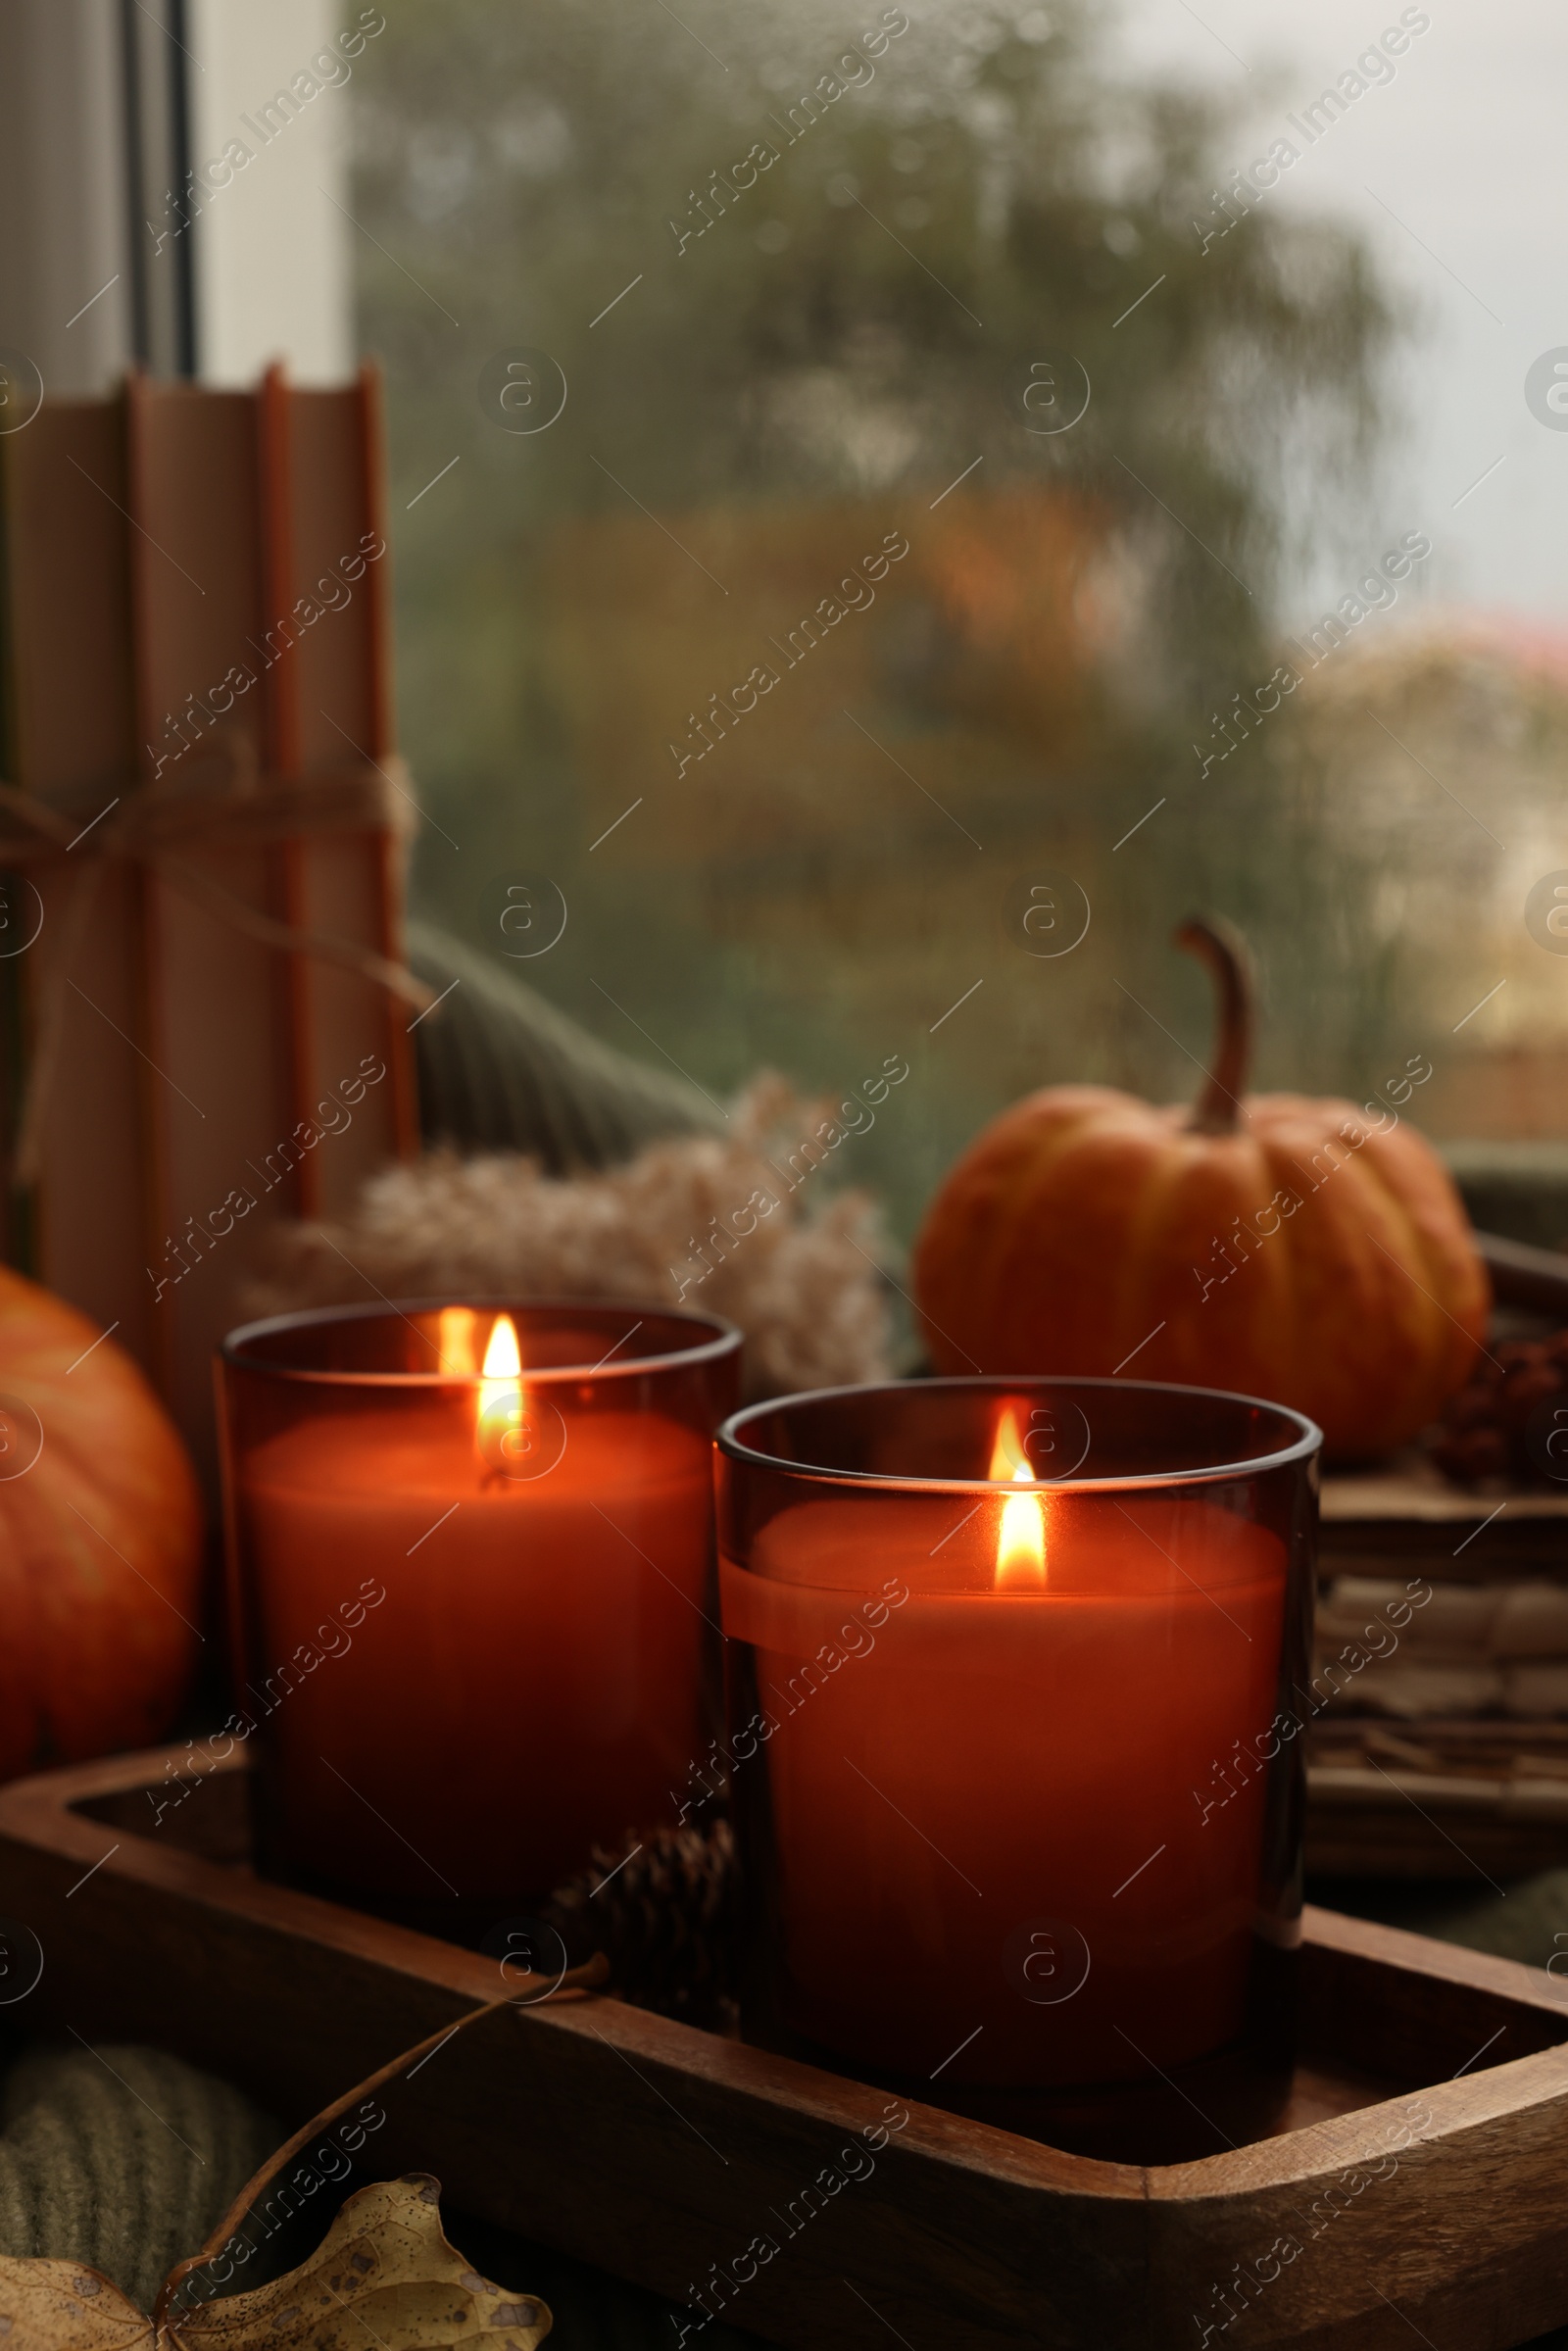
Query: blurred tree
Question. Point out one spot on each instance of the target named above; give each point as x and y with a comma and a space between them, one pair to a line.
798, 282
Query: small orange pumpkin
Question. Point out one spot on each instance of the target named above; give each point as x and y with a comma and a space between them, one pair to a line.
100, 1541
1298, 1249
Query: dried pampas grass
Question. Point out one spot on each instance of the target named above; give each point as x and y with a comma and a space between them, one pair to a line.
685, 1223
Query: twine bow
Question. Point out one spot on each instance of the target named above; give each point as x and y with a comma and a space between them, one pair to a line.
157, 826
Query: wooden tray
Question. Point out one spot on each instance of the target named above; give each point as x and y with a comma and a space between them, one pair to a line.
1420, 2178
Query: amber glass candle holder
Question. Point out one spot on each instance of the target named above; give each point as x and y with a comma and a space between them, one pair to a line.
470, 1556
1015, 1730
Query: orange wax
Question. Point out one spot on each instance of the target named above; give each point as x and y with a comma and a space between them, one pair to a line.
999, 1793
529, 1686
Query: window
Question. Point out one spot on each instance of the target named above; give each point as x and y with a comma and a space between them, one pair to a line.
894, 510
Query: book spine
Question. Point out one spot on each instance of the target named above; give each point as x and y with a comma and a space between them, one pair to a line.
284, 743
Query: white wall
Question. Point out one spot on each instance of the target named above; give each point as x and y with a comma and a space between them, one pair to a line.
63, 180
269, 253
273, 258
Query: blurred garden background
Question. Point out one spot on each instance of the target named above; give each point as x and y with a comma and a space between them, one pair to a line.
818, 285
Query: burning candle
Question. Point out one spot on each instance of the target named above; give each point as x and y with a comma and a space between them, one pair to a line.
471, 1560
986, 1717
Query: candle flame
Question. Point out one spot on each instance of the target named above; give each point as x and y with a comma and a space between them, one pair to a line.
499, 1426
1022, 1540
503, 1357
455, 1336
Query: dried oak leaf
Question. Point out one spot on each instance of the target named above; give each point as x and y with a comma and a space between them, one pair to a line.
383, 2274
59, 2306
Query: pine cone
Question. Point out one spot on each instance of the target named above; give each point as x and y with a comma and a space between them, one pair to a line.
661, 1912
1506, 1423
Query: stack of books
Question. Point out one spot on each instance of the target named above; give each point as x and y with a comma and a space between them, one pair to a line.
203, 1029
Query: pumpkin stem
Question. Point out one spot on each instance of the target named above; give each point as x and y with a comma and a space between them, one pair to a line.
1218, 944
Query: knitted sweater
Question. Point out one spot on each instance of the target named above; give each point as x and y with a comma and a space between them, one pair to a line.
121, 2159
126, 2160
502, 1070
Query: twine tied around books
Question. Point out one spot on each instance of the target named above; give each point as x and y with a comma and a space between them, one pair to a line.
157, 826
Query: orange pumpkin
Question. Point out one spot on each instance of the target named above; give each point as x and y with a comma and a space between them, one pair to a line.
100, 1541
1301, 1251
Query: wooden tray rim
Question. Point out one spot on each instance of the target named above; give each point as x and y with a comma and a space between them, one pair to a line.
39, 1811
